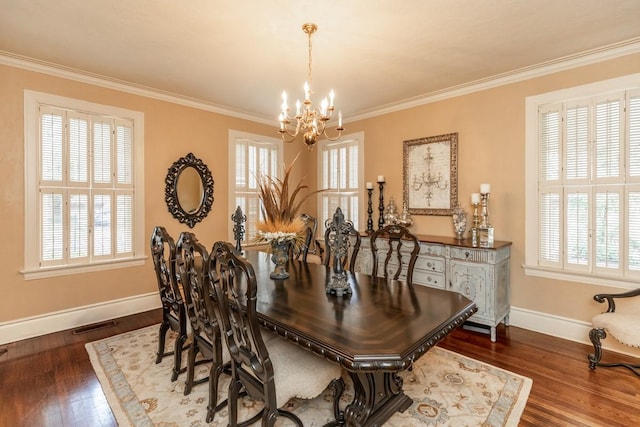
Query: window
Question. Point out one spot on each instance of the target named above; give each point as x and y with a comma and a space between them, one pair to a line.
586, 208
251, 156
341, 173
84, 203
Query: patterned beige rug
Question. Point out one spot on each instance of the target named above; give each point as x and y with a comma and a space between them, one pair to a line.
448, 389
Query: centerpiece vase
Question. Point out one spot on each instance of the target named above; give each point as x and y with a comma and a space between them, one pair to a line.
280, 256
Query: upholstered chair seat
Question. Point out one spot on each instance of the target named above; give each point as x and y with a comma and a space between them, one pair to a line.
286, 358
624, 327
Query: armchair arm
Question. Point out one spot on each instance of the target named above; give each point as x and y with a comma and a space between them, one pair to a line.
610, 298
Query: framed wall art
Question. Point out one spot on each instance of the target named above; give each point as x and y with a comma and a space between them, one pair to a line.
430, 167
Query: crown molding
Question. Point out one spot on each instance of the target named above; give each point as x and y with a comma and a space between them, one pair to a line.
31, 64
628, 47
593, 56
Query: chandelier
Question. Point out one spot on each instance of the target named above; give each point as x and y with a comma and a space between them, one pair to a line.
309, 121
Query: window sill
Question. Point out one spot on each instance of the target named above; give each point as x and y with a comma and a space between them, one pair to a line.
574, 276
65, 270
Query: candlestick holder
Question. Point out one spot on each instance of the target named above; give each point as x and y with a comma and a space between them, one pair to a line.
485, 230
476, 224
238, 219
381, 205
370, 212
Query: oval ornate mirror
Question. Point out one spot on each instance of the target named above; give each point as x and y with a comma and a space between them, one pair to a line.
189, 190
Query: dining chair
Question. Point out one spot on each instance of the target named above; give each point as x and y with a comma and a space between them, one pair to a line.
192, 259
310, 246
163, 253
388, 257
272, 371
342, 242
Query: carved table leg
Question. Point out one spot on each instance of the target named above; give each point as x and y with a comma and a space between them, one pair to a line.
377, 396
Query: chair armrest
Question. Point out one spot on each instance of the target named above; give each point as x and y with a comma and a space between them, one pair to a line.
611, 297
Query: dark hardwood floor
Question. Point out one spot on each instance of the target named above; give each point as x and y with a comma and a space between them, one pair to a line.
49, 381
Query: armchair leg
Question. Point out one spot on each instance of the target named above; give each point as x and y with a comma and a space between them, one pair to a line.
596, 335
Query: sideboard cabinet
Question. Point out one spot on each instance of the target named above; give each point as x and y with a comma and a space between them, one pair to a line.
480, 274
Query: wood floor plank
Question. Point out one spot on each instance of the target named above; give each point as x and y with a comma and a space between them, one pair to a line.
49, 381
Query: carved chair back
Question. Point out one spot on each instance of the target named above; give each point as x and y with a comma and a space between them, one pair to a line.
310, 244
235, 293
193, 261
163, 253
388, 257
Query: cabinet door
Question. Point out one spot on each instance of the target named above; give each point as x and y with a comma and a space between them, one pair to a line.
470, 280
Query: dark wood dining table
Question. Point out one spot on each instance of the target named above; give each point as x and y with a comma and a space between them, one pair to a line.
375, 333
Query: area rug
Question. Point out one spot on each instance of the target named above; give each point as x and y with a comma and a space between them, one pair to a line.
448, 389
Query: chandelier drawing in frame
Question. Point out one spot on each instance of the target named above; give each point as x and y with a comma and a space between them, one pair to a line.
309, 121
430, 175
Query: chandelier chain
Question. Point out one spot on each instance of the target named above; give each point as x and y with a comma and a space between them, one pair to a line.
310, 48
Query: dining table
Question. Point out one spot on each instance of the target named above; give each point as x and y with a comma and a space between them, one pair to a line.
375, 332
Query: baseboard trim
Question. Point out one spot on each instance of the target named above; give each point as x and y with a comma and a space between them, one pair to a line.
561, 327
30, 327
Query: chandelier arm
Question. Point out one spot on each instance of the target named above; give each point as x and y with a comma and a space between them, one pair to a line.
335, 138
286, 132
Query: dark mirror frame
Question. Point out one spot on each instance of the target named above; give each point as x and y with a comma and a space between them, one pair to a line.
171, 190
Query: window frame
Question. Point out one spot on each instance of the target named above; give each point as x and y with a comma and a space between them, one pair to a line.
234, 137
361, 192
32, 264
532, 266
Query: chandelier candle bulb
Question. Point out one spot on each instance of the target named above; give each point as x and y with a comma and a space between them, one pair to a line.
339, 118
475, 198
485, 188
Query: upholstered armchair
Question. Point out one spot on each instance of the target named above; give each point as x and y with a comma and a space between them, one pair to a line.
622, 322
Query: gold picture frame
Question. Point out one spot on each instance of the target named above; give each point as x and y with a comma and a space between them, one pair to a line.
430, 174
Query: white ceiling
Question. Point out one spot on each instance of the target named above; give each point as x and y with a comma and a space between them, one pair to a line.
239, 55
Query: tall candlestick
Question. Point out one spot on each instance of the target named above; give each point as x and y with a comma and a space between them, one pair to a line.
370, 209
381, 205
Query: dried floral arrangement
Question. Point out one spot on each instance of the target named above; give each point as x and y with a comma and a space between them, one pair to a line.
280, 209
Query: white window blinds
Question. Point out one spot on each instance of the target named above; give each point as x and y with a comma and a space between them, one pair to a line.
588, 193
251, 157
86, 190
340, 178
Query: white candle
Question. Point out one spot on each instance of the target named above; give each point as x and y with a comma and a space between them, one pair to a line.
485, 188
475, 198
380, 178
369, 185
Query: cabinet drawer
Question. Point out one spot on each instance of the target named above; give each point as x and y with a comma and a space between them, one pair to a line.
429, 264
426, 278
430, 249
474, 255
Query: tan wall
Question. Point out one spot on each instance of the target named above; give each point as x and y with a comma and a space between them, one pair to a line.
491, 149
171, 131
